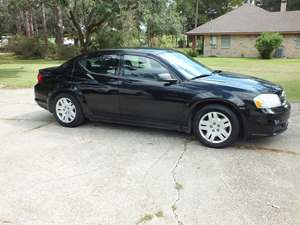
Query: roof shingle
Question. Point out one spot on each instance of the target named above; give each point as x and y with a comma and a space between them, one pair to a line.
251, 19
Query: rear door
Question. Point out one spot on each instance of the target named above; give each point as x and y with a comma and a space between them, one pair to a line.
97, 77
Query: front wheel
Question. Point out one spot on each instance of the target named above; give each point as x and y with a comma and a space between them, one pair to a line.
67, 111
216, 126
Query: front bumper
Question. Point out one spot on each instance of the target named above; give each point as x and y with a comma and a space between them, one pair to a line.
258, 122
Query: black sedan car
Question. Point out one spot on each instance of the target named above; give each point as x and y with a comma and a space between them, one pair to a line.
162, 88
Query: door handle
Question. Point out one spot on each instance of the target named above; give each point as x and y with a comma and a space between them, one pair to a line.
90, 76
139, 93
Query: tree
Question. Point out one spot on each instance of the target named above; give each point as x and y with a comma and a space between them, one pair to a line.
5, 19
293, 5
59, 38
159, 17
88, 16
45, 27
274, 5
128, 24
23, 12
188, 9
267, 42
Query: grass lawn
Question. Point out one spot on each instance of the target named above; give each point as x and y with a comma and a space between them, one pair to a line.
17, 73
285, 72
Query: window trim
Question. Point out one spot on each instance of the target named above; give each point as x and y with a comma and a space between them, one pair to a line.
149, 57
226, 47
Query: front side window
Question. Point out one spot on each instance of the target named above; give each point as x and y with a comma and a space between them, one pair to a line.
213, 42
101, 64
298, 42
188, 67
141, 67
225, 41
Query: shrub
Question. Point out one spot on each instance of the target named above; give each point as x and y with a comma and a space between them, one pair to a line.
267, 42
181, 43
66, 52
27, 47
200, 50
192, 52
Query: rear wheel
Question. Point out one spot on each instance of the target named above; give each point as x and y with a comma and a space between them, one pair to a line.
67, 111
216, 126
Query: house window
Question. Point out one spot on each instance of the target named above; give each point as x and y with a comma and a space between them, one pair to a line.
298, 42
225, 41
213, 41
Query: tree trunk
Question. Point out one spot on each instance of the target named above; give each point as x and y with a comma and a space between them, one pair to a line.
196, 24
79, 32
26, 23
87, 40
18, 24
197, 13
76, 42
149, 35
36, 26
30, 22
45, 28
59, 26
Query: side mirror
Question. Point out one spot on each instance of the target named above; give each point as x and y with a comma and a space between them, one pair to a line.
166, 77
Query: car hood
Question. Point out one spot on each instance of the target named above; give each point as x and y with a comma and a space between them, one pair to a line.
239, 81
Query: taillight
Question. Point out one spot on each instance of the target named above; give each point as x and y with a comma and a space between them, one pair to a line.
40, 78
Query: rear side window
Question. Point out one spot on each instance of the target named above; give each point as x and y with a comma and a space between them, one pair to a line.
68, 65
101, 64
142, 67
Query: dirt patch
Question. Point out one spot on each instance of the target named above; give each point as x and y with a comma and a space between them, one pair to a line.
262, 148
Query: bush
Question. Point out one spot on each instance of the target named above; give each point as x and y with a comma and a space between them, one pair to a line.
200, 51
192, 52
267, 42
27, 47
66, 52
181, 43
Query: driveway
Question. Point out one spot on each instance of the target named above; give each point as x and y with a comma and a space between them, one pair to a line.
103, 174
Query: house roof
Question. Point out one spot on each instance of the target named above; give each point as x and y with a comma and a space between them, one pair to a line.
250, 19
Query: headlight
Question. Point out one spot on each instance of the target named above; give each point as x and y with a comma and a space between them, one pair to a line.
266, 101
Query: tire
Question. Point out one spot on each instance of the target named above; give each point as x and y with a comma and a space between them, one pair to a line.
216, 126
67, 110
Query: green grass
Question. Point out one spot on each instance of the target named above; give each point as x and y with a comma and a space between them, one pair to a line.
159, 214
145, 218
285, 72
178, 186
18, 73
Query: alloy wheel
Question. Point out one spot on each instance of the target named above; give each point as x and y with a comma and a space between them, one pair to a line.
65, 110
215, 127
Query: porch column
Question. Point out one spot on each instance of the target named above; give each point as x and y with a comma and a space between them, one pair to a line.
194, 40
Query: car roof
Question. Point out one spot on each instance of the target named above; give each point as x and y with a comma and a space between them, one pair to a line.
153, 51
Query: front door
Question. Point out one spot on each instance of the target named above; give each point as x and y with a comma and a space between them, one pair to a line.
143, 97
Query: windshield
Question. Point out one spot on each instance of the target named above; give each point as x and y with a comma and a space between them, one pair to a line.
188, 67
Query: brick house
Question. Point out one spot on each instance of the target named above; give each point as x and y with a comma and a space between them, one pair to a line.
234, 34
